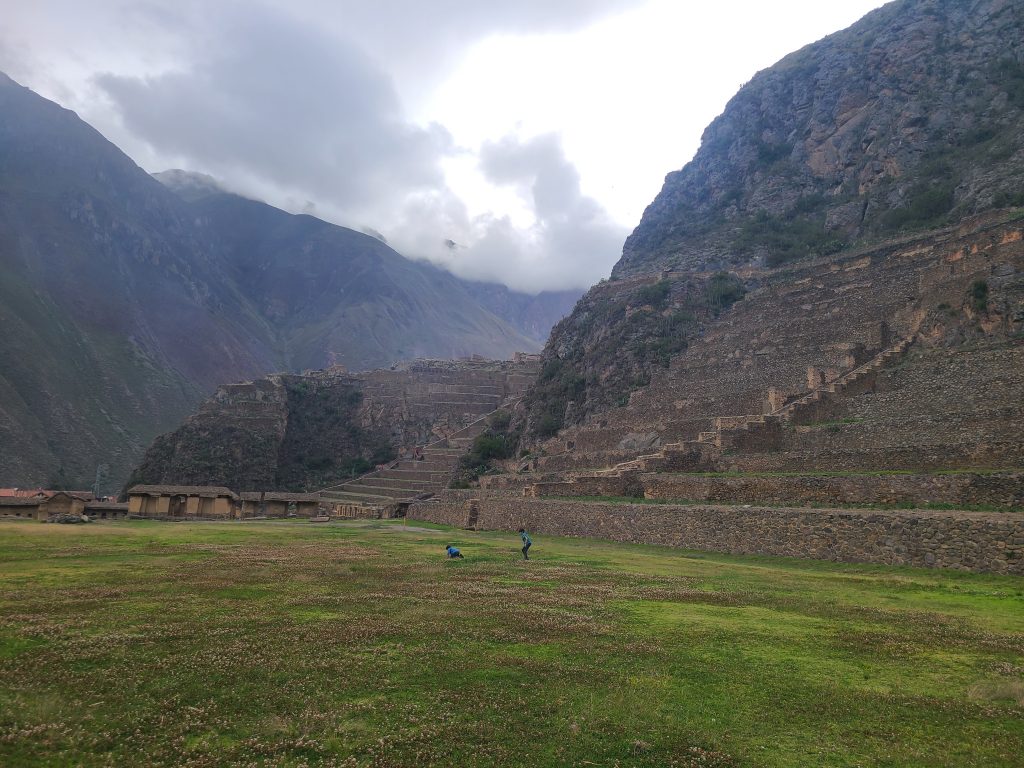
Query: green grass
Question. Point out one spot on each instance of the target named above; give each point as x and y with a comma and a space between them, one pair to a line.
359, 645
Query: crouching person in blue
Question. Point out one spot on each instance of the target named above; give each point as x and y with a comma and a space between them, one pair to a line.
452, 552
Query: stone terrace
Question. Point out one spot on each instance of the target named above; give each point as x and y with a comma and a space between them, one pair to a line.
454, 401
802, 329
975, 541
867, 380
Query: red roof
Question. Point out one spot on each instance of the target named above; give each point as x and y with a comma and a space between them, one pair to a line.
25, 493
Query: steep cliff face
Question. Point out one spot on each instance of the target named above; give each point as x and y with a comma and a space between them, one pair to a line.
286, 432
909, 119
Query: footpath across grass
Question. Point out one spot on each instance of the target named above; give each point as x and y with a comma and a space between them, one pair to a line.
358, 644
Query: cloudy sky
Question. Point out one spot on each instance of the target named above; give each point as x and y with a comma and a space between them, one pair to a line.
511, 141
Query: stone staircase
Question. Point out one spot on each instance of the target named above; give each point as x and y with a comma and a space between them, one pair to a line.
851, 383
758, 431
380, 492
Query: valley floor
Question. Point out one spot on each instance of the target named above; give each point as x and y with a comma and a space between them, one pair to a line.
358, 644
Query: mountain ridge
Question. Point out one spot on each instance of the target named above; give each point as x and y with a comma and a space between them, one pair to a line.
121, 311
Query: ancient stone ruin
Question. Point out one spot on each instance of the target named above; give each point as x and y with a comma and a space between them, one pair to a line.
366, 442
833, 393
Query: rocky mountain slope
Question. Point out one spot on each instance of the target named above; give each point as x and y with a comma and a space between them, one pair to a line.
281, 260
122, 303
116, 314
908, 121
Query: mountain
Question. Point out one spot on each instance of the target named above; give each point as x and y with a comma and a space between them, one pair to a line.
123, 303
333, 295
908, 122
189, 185
281, 258
117, 315
533, 315
909, 119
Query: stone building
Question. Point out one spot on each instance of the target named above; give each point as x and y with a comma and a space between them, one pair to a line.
181, 502
283, 504
49, 505
106, 510
250, 505
277, 504
15, 506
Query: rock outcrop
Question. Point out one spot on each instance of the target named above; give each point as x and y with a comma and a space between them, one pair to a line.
911, 118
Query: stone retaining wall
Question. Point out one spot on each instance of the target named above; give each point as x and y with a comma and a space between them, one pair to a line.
976, 541
964, 489
1004, 489
1001, 455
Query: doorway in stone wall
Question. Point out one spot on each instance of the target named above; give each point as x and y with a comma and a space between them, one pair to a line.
176, 507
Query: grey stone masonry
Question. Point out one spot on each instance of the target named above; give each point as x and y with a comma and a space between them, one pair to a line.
972, 541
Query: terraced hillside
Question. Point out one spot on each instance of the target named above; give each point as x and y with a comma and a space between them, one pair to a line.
807, 327
319, 429
887, 378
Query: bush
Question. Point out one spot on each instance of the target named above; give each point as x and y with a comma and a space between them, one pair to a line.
548, 425
500, 421
656, 295
319, 463
1006, 199
724, 290
926, 205
979, 296
788, 237
496, 444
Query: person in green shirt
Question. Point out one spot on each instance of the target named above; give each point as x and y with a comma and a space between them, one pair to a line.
527, 542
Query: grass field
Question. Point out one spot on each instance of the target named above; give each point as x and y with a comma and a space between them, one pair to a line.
358, 644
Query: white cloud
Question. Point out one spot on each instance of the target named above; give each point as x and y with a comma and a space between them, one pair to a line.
530, 133
570, 242
278, 99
